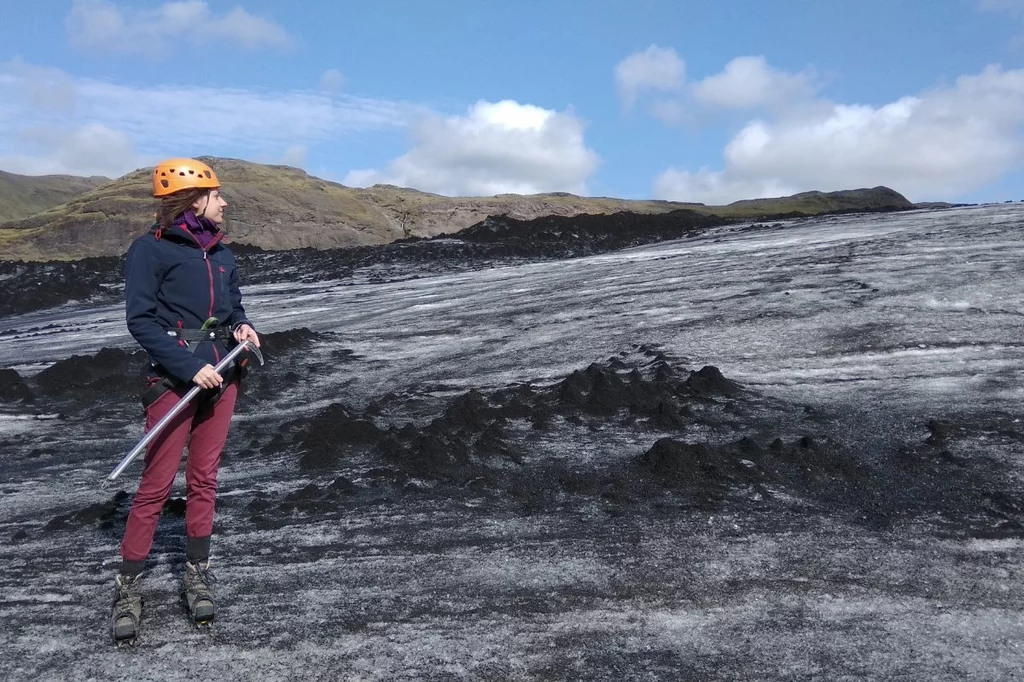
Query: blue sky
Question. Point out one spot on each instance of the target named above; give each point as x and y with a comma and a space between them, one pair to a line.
691, 101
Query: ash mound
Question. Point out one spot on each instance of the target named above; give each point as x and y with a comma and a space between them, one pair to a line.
107, 516
589, 233
103, 514
25, 287
474, 430
13, 388
629, 434
806, 467
508, 443
110, 372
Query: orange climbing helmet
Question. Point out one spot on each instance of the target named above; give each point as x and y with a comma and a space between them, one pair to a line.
174, 175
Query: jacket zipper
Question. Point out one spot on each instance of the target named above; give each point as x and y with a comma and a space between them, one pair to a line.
209, 273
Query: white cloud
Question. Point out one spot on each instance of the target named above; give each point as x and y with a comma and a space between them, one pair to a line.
657, 69
332, 80
90, 149
258, 124
249, 31
941, 144
749, 82
657, 77
295, 155
715, 187
100, 25
44, 87
502, 147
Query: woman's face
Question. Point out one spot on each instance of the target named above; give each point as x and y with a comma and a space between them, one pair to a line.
211, 207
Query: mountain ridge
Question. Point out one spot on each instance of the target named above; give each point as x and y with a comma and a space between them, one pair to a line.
276, 207
24, 195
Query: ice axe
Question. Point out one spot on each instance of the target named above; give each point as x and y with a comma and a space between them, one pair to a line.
180, 405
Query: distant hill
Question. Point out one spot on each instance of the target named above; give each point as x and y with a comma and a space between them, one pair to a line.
280, 207
23, 195
844, 201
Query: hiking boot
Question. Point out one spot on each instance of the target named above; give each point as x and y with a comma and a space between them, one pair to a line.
197, 591
127, 609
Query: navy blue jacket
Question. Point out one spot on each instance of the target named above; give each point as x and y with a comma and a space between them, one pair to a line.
171, 282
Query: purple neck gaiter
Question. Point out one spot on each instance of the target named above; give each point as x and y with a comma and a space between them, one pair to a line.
203, 230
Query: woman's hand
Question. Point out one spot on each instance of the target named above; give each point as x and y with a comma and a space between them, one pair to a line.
246, 333
207, 377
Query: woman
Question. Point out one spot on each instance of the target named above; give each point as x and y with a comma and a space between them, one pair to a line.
177, 278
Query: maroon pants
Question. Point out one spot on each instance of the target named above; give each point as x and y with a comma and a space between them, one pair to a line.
205, 435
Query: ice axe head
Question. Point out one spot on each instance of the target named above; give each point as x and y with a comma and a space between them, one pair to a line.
254, 349
210, 322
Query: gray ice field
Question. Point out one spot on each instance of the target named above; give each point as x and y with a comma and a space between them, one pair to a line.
521, 473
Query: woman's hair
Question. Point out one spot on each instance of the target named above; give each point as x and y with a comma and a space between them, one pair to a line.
172, 206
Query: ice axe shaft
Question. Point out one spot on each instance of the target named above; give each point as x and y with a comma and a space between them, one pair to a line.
179, 406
